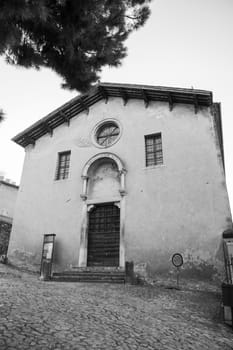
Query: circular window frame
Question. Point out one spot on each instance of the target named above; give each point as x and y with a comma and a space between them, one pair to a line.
99, 126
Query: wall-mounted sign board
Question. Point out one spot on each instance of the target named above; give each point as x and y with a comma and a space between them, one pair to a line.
47, 256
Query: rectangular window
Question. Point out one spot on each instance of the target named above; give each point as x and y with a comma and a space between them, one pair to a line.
154, 154
63, 165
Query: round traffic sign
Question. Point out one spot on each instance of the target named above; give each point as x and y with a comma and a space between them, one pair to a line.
177, 260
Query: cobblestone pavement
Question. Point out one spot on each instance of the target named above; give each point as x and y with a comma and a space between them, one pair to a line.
52, 315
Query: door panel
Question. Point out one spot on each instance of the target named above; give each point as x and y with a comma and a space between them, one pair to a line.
104, 235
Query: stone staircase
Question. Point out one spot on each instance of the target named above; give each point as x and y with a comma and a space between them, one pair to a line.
91, 274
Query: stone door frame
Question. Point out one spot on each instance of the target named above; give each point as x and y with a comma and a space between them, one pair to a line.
88, 204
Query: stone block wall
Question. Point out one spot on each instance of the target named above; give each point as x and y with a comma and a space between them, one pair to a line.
5, 229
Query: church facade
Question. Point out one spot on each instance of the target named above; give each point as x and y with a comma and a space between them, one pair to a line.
125, 173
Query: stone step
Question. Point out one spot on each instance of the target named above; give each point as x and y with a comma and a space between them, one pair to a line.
85, 280
90, 275
98, 268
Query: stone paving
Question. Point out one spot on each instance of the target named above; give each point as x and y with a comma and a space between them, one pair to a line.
53, 315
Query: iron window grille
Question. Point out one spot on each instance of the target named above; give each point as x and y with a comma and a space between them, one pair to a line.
153, 147
63, 165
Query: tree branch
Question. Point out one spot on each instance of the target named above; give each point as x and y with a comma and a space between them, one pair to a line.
130, 17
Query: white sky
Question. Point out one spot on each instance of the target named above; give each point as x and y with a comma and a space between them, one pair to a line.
185, 43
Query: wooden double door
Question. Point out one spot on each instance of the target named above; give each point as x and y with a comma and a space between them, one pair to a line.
103, 235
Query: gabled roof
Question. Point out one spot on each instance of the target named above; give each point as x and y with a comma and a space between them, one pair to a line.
105, 90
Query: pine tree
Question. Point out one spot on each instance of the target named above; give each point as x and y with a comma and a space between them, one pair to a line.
75, 38
1, 115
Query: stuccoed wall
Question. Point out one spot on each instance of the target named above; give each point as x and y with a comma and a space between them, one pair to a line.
180, 206
8, 196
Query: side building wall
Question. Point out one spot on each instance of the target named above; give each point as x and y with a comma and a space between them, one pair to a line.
8, 196
179, 206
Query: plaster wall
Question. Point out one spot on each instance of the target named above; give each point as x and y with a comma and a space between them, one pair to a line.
103, 180
179, 206
8, 196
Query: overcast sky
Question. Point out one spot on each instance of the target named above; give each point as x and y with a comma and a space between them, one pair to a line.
185, 43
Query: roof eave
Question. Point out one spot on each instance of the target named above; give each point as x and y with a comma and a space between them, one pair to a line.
130, 91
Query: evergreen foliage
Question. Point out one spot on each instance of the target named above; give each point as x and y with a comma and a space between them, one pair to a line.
1, 115
75, 38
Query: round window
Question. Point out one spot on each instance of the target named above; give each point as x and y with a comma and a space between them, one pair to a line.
107, 134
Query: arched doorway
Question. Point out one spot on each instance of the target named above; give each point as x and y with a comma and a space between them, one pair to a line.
103, 215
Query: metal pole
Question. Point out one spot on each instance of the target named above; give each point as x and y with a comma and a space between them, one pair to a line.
178, 277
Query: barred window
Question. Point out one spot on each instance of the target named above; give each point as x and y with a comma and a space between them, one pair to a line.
63, 165
153, 146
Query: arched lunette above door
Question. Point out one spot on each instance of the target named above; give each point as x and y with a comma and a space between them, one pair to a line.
97, 159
